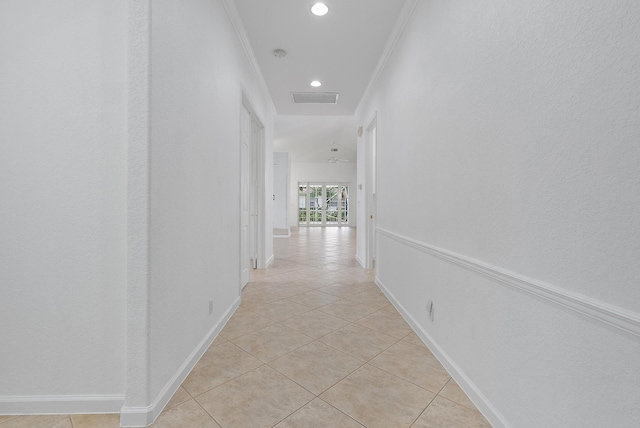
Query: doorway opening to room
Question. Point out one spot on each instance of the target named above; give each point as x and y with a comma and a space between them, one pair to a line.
252, 227
323, 204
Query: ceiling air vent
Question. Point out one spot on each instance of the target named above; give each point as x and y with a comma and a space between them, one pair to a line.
315, 97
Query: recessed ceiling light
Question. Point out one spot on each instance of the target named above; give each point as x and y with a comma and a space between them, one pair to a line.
319, 9
316, 84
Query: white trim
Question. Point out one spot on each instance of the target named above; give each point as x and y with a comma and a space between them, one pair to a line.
144, 416
60, 404
610, 315
359, 260
269, 261
403, 19
238, 26
138, 286
481, 402
282, 235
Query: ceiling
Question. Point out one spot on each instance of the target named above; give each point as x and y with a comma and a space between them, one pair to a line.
340, 49
311, 138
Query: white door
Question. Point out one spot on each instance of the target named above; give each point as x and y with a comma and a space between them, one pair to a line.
255, 191
245, 203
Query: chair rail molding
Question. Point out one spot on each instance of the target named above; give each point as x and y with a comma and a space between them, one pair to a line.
611, 315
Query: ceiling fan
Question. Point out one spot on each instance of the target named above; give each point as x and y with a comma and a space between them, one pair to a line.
337, 160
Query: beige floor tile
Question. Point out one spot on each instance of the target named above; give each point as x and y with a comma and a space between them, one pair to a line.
282, 291
4, 418
318, 414
257, 285
260, 398
391, 309
316, 366
219, 340
348, 310
281, 278
185, 415
314, 299
315, 324
387, 323
311, 272
218, 365
414, 364
271, 342
179, 397
52, 421
343, 276
415, 339
316, 283
453, 392
376, 398
281, 310
443, 413
96, 421
253, 299
344, 290
370, 298
242, 323
358, 341
278, 267
360, 279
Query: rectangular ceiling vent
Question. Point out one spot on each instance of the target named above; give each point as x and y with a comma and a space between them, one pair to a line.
315, 97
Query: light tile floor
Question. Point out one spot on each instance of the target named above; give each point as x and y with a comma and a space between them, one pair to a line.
314, 343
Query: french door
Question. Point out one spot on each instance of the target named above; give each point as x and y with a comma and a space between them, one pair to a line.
323, 204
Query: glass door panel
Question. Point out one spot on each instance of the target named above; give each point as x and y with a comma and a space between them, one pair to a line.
323, 204
332, 206
344, 204
316, 205
303, 206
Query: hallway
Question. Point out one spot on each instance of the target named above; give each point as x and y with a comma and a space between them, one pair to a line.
313, 344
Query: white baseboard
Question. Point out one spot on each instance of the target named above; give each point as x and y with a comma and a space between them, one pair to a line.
269, 261
144, 416
361, 262
60, 404
481, 402
282, 232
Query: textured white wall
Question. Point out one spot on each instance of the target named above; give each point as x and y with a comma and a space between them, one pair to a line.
199, 72
512, 130
63, 203
343, 172
281, 187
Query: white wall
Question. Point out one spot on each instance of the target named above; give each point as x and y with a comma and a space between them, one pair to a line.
120, 210
63, 204
343, 172
512, 129
198, 74
281, 187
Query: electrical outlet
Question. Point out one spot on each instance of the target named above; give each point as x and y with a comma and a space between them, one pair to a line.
210, 306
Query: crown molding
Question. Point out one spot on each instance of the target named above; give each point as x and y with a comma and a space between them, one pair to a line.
398, 30
238, 26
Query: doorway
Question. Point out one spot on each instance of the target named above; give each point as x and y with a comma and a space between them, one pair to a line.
251, 193
371, 191
323, 204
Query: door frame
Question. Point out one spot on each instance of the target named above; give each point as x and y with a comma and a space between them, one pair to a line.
256, 187
371, 178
